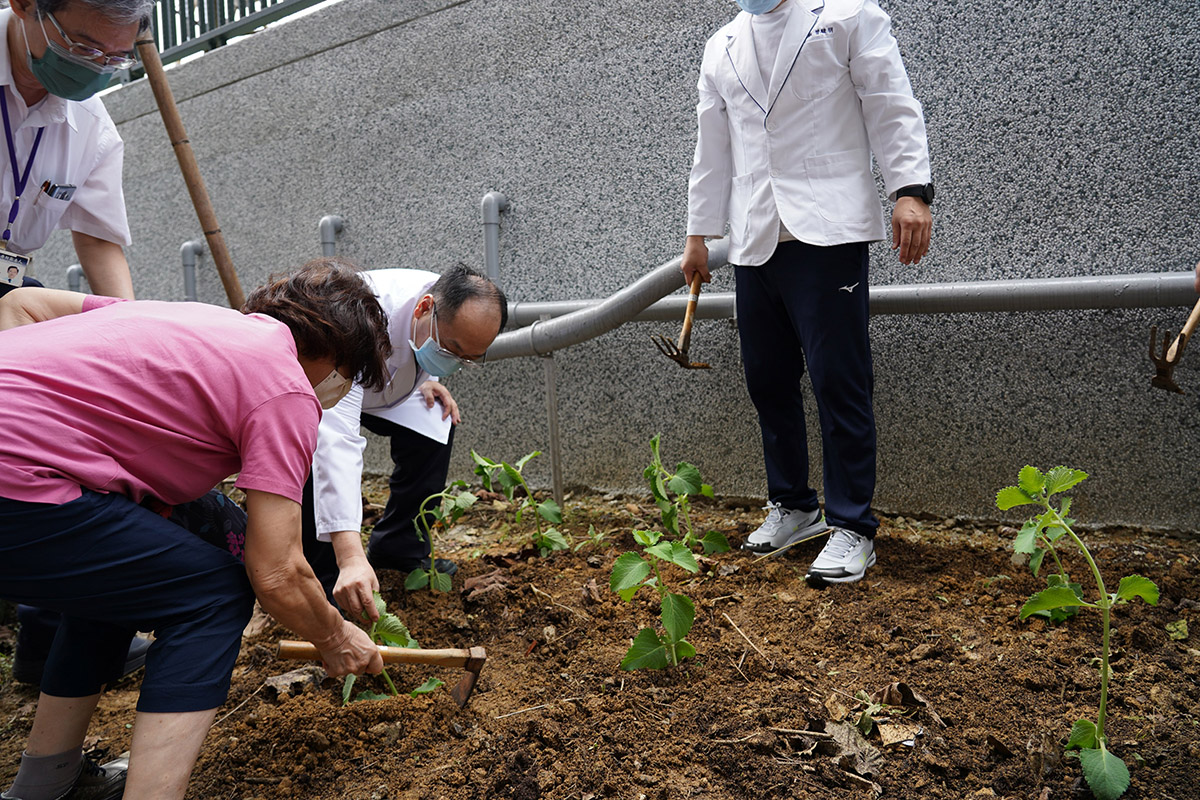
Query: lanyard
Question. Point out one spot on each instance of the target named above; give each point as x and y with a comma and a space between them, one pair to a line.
19, 178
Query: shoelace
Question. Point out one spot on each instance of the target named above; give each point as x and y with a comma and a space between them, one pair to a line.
840, 543
774, 517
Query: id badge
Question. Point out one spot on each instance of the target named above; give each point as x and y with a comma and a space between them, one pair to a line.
14, 266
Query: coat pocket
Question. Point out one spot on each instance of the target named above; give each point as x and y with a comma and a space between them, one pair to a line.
843, 186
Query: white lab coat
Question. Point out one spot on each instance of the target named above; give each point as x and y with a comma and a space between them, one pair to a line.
799, 150
338, 461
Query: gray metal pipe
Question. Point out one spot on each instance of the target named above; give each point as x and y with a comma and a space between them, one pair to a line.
188, 252
1147, 290
541, 337
490, 207
329, 227
75, 278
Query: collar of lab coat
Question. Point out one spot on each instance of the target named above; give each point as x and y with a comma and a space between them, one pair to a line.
742, 54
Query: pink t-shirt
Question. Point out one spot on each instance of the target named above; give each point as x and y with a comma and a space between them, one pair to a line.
150, 398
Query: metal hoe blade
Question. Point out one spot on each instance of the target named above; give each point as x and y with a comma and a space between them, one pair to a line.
1164, 364
672, 351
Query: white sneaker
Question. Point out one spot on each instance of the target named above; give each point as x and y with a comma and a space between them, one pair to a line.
844, 559
783, 527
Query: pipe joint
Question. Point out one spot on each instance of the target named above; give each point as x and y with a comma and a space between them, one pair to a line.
329, 227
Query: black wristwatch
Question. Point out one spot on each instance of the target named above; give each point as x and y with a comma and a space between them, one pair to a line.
921, 190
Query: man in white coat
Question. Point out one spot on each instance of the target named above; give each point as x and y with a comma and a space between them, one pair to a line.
795, 97
437, 325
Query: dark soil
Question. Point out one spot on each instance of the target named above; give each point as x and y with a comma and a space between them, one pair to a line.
984, 705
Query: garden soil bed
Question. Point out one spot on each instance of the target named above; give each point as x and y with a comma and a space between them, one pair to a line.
980, 703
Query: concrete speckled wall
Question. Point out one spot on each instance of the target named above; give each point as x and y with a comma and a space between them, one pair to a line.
1064, 140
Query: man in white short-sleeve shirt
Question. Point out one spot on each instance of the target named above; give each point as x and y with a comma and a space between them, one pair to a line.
60, 164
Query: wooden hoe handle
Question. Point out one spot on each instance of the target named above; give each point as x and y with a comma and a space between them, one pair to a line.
471, 659
685, 335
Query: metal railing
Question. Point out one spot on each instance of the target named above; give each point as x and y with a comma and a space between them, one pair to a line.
184, 27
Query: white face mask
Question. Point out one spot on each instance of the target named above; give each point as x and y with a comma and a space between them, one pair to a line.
331, 390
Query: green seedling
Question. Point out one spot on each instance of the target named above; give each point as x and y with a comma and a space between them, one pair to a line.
387, 630
594, 538
671, 491
452, 503
652, 650
1106, 775
508, 478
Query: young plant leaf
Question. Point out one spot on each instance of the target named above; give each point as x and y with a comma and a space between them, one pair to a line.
427, 687
675, 553
707, 491
1060, 479
417, 579
1031, 480
655, 458
1132, 586
380, 605
1106, 775
509, 479
464, 500
368, 695
648, 652
552, 539
481, 461
1026, 541
683, 650
1011, 497
678, 615
1054, 597
629, 571
441, 582
686, 479
391, 631
521, 462
670, 519
347, 687
1083, 735
1035, 560
714, 542
549, 511
646, 538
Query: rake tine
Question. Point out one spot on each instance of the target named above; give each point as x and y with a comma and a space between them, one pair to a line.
665, 346
1154, 343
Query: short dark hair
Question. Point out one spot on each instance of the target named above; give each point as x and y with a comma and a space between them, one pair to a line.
122, 12
332, 313
459, 284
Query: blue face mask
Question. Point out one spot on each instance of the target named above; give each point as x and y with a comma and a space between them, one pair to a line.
66, 75
432, 357
757, 6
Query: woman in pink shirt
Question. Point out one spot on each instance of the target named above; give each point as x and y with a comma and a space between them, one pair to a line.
149, 401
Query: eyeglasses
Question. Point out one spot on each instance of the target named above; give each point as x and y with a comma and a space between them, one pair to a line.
465, 362
91, 54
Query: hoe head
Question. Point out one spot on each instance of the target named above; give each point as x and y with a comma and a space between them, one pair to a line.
462, 690
1164, 363
675, 353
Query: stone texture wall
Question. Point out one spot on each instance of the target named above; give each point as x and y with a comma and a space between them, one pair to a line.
1063, 136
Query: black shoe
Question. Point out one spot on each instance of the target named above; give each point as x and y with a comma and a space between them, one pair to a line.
29, 670
444, 565
98, 782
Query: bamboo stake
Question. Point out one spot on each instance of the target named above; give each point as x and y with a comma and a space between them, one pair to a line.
148, 52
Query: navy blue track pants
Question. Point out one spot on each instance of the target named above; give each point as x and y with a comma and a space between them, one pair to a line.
111, 568
808, 306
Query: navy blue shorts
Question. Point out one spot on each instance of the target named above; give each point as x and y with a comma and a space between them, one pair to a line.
112, 567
